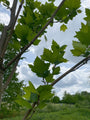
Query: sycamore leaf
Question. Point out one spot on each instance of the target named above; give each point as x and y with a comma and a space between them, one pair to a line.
45, 92
49, 78
23, 102
54, 56
56, 70
87, 18
36, 42
28, 90
40, 67
63, 28
42, 104
84, 34
79, 48
33, 97
28, 18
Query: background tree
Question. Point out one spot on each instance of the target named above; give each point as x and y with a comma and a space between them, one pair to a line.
55, 99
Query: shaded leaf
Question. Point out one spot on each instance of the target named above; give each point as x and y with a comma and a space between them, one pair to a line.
23, 102
45, 92
79, 48
36, 42
49, 78
28, 90
33, 97
40, 67
56, 70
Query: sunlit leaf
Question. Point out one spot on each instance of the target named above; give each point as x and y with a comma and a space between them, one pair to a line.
63, 28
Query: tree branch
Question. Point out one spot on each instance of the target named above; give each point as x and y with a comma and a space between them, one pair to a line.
29, 111
10, 76
11, 24
13, 11
82, 62
39, 33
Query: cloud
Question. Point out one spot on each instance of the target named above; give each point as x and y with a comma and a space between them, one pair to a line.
4, 15
86, 3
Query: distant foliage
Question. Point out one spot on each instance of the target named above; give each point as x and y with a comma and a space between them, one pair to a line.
80, 99
55, 99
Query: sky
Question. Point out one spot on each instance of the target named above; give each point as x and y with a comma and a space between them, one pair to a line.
76, 81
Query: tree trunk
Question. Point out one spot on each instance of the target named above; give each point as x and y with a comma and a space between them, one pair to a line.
1, 86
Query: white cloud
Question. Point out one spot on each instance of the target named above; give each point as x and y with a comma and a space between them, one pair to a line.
86, 3
4, 18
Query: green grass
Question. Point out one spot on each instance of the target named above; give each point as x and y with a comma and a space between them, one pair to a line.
59, 112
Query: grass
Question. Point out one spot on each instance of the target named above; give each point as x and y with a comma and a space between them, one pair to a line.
58, 112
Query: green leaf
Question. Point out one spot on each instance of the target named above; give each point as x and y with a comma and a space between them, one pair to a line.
36, 42
15, 44
45, 37
22, 31
79, 11
29, 18
72, 4
23, 102
6, 3
63, 28
51, 0
87, 18
42, 104
40, 67
55, 47
45, 92
79, 48
33, 97
56, 70
31, 35
28, 90
84, 34
49, 78
54, 56
47, 55
1, 27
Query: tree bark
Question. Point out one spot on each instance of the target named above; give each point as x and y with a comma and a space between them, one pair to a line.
1, 86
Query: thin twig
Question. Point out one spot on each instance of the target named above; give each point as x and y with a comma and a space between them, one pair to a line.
29, 111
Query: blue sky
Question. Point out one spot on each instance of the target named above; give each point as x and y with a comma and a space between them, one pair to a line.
74, 82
